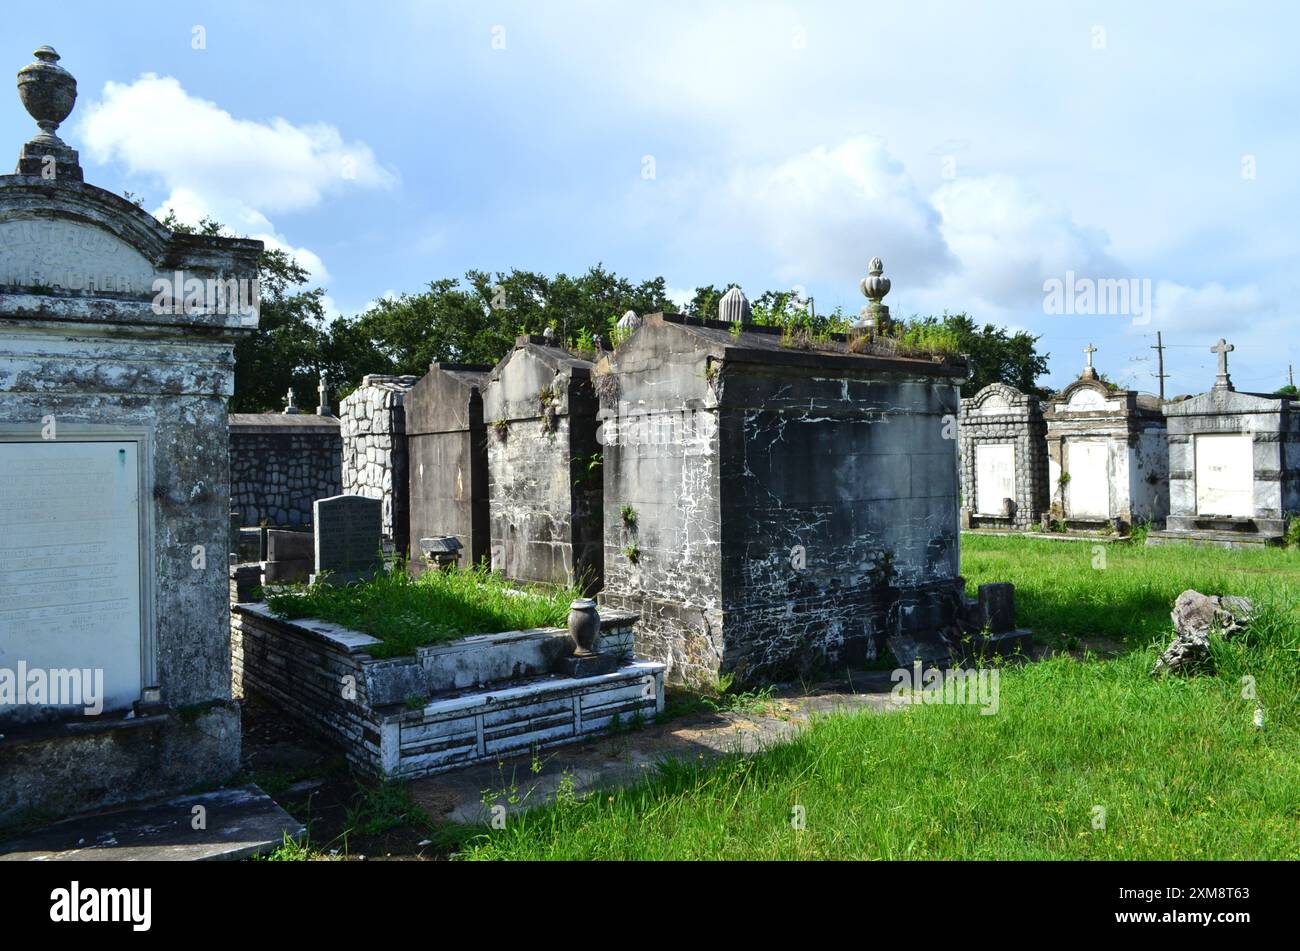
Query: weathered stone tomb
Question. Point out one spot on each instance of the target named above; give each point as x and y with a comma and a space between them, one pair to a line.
372, 421
544, 474
116, 362
1004, 468
1234, 465
772, 507
1108, 455
280, 464
447, 447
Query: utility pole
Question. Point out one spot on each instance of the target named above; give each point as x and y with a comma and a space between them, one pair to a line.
1290, 374
1159, 348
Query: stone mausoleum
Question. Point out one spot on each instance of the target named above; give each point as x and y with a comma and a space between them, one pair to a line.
116, 362
280, 463
372, 422
447, 448
1234, 465
1108, 455
776, 505
1004, 469
544, 466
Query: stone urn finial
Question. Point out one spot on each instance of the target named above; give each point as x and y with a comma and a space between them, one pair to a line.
874, 287
48, 92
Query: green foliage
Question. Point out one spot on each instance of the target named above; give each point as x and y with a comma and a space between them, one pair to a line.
438, 606
628, 515
632, 552
1289, 390
996, 356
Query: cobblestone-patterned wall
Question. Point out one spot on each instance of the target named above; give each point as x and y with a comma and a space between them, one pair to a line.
544, 481
373, 425
281, 464
771, 511
1002, 414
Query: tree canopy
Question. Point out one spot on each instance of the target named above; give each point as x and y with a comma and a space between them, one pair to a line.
476, 320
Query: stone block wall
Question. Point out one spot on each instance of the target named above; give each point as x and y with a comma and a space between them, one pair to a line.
280, 464
1001, 414
372, 422
789, 510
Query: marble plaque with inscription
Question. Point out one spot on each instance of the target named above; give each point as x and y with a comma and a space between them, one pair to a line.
348, 531
1225, 474
995, 476
70, 562
70, 256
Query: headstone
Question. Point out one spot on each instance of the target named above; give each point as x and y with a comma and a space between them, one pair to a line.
290, 556
997, 604
348, 539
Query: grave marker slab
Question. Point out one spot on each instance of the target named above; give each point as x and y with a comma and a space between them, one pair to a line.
349, 538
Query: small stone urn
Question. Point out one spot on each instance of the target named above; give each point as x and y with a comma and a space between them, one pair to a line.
584, 625
48, 91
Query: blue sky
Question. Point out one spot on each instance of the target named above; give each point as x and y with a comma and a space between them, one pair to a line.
979, 149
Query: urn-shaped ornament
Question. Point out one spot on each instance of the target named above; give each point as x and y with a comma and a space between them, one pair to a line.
48, 92
584, 625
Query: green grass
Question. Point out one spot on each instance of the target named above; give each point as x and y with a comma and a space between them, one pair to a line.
1176, 766
438, 606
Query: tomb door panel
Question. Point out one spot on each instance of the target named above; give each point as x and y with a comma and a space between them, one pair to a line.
995, 476
1088, 491
1225, 474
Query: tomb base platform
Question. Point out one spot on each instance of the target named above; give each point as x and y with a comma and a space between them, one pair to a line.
1217, 539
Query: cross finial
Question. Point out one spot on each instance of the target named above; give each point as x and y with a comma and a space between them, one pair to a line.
292, 407
324, 408
1088, 372
1223, 348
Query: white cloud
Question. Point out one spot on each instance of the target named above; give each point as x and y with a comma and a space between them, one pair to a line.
825, 212
235, 171
1010, 241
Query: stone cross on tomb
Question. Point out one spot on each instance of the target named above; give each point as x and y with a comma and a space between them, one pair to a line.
324, 408
1223, 348
1089, 372
292, 408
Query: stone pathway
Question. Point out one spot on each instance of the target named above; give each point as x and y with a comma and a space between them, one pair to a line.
238, 823
467, 795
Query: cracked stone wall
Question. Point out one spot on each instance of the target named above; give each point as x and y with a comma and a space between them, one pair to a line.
788, 510
372, 422
1001, 414
545, 494
280, 464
